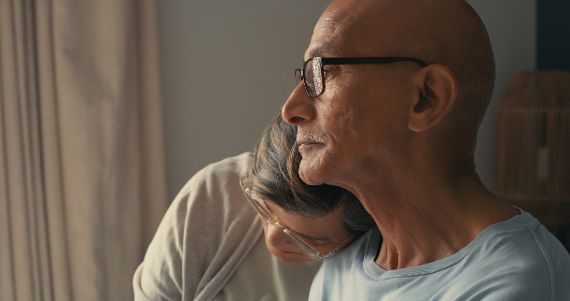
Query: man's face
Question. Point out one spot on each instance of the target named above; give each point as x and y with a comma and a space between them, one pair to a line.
360, 119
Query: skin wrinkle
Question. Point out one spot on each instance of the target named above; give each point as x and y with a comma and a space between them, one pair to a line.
415, 183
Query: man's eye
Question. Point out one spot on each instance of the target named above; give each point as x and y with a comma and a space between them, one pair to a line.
329, 71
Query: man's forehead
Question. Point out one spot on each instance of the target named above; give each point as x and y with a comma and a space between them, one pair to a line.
328, 36
341, 32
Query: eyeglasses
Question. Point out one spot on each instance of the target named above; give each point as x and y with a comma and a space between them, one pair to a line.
312, 73
302, 243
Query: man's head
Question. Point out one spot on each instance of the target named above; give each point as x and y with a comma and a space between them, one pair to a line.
384, 115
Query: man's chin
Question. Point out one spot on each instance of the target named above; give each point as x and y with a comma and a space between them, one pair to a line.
309, 175
307, 179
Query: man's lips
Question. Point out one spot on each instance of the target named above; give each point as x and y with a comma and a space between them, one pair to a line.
308, 146
307, 143
309, 140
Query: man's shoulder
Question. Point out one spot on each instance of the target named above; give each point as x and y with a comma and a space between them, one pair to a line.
522, 260
513, 260
520, 245
523, 241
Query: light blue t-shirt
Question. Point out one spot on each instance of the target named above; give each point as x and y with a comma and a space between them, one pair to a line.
514, 260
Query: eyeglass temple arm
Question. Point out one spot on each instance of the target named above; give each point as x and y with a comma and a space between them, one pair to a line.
371, 60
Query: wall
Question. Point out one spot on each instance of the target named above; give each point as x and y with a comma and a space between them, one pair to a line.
512, 28
227, 66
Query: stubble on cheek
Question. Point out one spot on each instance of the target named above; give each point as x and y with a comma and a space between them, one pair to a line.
345, 132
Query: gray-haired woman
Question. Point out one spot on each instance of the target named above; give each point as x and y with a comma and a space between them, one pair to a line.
210, 245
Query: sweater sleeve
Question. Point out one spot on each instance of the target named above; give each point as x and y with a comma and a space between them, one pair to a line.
203, 237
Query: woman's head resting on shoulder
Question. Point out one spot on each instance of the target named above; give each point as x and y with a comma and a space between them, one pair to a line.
300, 222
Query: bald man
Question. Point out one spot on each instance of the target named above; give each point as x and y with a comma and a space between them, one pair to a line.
389, 102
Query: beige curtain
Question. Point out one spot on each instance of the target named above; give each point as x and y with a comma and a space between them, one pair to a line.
81, 160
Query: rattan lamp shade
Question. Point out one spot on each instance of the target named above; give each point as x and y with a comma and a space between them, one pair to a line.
533, 138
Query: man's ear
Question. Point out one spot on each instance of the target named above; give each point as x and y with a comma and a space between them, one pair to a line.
438, 94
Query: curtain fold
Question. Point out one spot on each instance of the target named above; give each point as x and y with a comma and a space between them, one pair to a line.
81, 148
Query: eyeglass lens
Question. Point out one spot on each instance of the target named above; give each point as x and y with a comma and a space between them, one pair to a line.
268, 218
313, 76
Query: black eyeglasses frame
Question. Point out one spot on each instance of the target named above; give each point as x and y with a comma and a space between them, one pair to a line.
322, 61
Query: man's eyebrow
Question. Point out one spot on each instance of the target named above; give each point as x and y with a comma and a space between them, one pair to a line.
325, 50
318, 50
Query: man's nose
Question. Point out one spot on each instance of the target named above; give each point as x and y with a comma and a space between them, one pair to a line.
299, 107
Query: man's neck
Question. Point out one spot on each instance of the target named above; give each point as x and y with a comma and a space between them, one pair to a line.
424, 223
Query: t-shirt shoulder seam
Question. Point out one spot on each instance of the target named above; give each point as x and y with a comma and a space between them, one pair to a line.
551, 275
